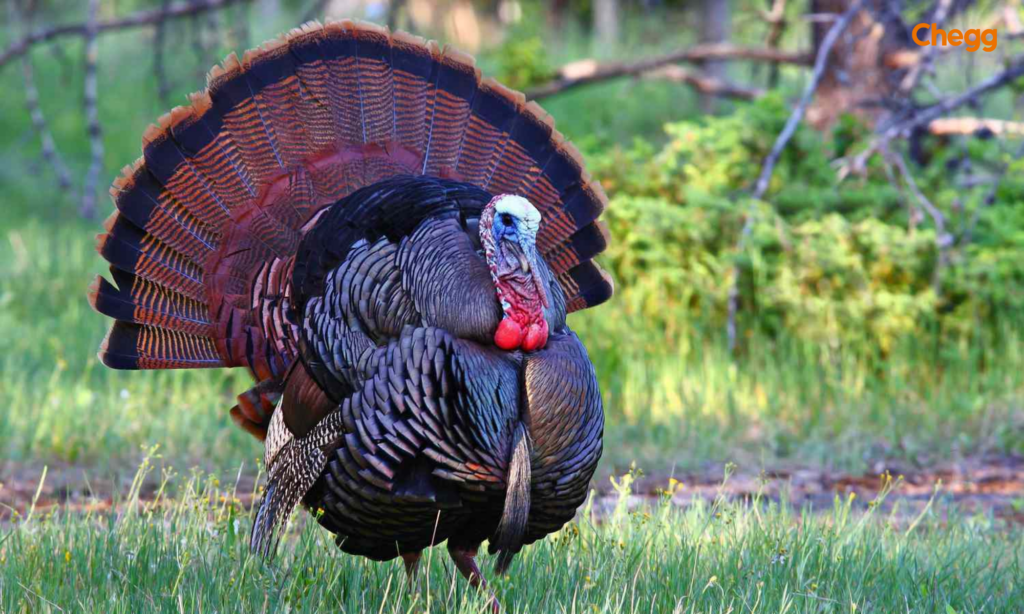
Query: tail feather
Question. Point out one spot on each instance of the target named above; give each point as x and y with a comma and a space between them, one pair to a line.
308, 47
587, 284
255, 407
214, 180
142, 200
412, 64
175, 170
582, 245
508, 539
132, 250
280, 102
294, 466
245, 123
338, 48
135, 346
454, 91
376, 81
228, 184
140, 301
264, 538
493, 111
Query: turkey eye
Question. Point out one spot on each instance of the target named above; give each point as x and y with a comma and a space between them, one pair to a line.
506, 219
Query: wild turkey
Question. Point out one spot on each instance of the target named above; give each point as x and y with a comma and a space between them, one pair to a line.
390, 244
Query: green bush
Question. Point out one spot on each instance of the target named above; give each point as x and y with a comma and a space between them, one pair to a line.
839, 261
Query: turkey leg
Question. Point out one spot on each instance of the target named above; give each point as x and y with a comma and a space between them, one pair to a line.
465, 561
412, 565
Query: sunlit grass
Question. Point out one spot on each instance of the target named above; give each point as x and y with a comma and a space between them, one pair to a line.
59, 401
189, 553
692, 402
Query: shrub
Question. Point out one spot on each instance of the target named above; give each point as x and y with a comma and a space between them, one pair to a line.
830, 260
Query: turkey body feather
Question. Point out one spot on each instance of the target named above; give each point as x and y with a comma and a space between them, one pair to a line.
390, 244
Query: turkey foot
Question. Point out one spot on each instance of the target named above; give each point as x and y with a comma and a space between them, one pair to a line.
412, 565
465, 561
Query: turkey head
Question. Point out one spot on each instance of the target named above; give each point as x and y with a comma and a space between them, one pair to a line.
508, 233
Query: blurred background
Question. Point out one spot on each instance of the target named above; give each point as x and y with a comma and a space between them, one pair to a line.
863, 310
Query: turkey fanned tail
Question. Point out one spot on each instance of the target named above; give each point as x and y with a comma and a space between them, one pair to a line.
291, 473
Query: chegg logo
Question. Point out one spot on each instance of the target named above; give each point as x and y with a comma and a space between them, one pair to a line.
974, 38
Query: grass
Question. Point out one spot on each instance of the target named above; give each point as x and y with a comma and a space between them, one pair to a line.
189, 553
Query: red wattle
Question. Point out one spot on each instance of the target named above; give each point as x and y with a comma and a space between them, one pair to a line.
536, 336
509, 334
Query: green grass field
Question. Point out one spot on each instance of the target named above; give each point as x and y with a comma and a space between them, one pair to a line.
189, 553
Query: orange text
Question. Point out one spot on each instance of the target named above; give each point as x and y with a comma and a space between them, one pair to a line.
974, 38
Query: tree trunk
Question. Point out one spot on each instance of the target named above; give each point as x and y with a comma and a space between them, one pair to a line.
556, 14
864, 67
606, 26
715, 21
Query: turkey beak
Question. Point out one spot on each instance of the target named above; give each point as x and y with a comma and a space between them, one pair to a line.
528, 263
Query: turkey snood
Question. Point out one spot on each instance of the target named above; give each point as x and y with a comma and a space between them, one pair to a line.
508, 233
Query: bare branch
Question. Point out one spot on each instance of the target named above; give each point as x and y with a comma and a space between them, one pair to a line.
943, 239
583, 72
902, 127
797, 115
928, 114
49, 148
136, 20
914, 214
913, 75
46, 142
776, 18
820, 63
88, 209
703, 83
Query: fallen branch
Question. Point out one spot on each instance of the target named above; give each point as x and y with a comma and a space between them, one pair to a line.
820, 63
703, 83
136, 20
583, 72
857, 164
928, 114
963, 126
